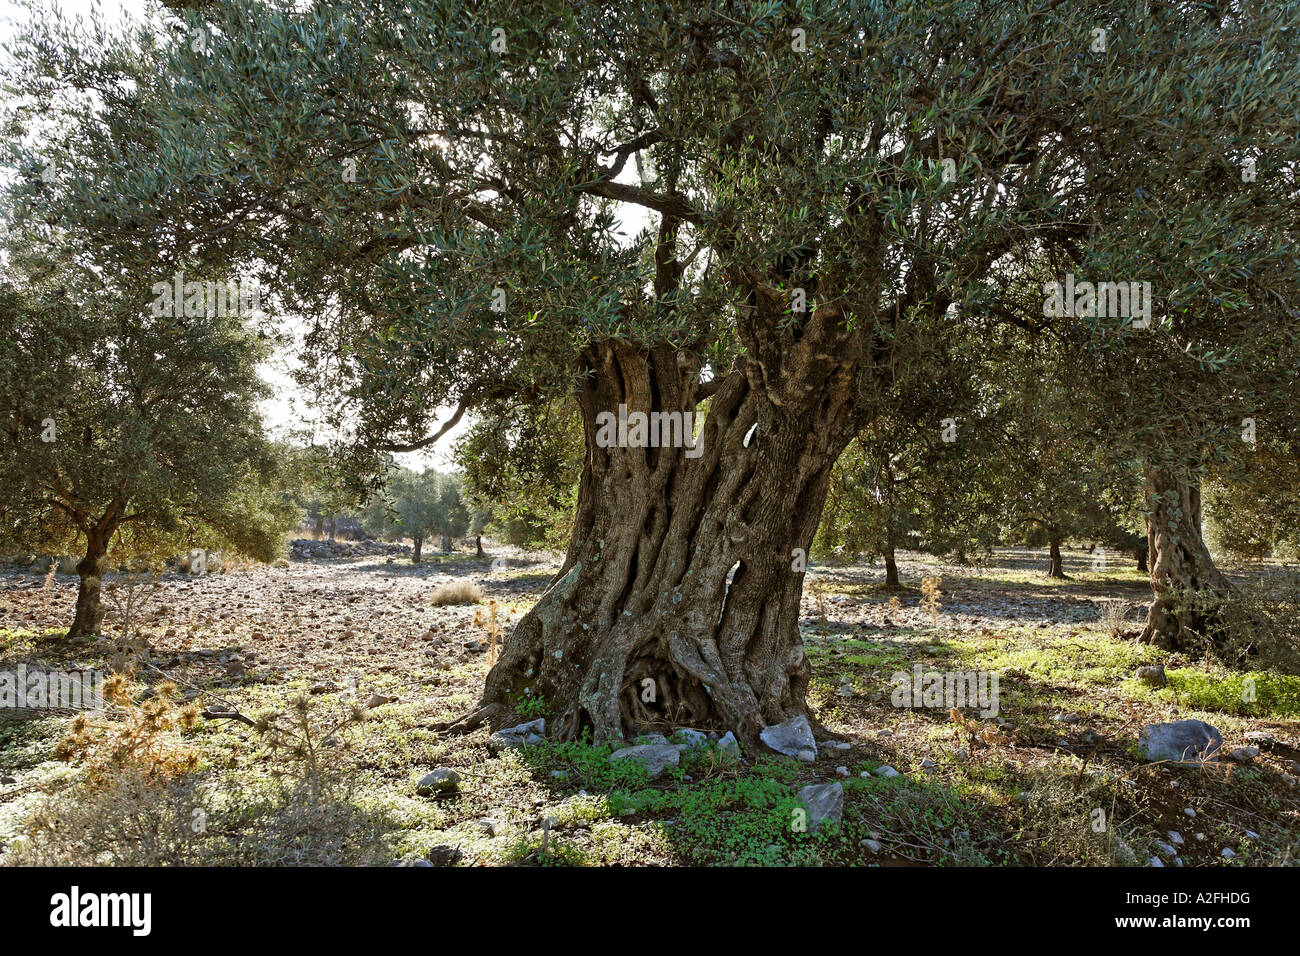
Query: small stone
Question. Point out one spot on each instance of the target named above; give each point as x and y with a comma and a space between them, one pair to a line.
872, 845
1228, 853
442, 780
845, 690
1189, 812
1200, 837
927, 764
443, 855
656, 757
1155, 861
729, 744
793, 737
1261, 738
1180, 741
1251, 835
1153, 674
647, 739
842, 771
691, 738
887, 771
1175, 837
378, 700
1164, 849
530, 733
1244, 754
824, 802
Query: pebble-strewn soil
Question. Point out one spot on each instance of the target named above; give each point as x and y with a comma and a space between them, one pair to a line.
343, 629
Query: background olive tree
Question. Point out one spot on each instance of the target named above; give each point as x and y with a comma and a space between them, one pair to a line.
125, 436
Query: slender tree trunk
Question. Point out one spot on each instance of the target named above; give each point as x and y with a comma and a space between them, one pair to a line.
415, 553
678, 601
1183, 574
478, 547
1141, 555
891, 568
1055, 568
333, 528
89, 617
319, 532
446, 544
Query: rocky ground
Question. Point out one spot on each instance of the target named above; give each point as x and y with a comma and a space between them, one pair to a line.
1061, 774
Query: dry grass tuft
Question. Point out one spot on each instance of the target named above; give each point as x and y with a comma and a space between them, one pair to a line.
456, 592
492, 627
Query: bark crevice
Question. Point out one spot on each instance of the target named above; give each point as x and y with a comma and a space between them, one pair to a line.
645, 627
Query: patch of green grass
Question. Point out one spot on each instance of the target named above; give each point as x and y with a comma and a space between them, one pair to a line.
1253, 693
23, 640
723, 814
587, 764
530, 708
1070, 662
866, 654
741, 821
557, 852
28, 743
937, 824
582, 811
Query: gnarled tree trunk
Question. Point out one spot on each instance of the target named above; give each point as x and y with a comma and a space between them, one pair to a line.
1182, 572
891, 568
678, 601
1055, 567
89, 617
415, 551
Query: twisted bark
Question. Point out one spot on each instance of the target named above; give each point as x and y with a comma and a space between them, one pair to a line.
678, 601
1183, 575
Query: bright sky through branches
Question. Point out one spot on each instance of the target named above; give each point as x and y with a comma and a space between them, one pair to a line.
287, 411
